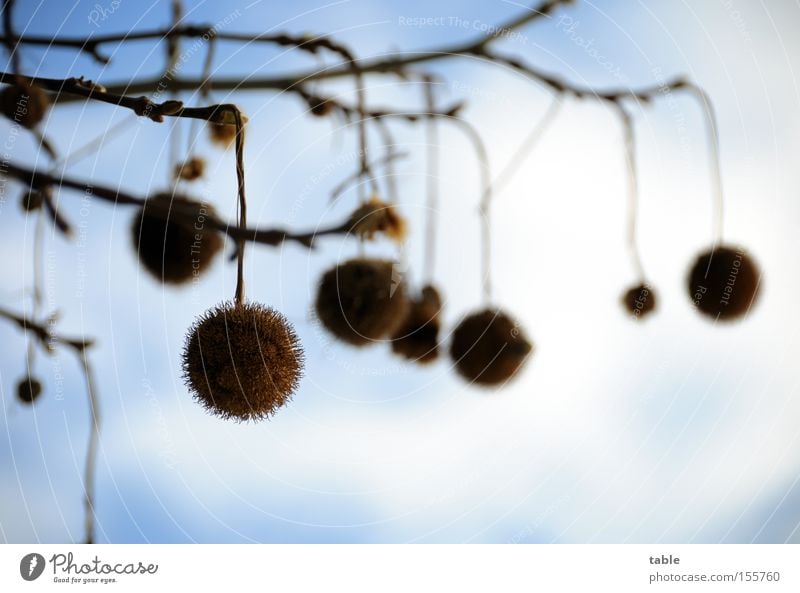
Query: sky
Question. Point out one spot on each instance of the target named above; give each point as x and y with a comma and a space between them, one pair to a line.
672, 429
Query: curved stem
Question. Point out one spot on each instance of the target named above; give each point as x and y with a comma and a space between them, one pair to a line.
629, 141
91, 450
242, 205
712, 132
432, 185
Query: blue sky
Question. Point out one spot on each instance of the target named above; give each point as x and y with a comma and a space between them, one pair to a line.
671, 430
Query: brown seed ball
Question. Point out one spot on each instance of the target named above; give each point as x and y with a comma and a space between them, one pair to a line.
25, 104
191, 169
28, 390
640, 300
32, 200
223, 135
724, 283
361, 301
174, 251
417, 338
320, 107
488, 348
242, 361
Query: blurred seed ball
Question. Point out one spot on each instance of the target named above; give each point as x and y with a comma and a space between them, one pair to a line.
362, 300
417, 339
25, 104
174, 251
222, 135
376, 216
640, 300
724, 282
488, 348
242, 361
191, 169
320, 107
32, 200
28, 389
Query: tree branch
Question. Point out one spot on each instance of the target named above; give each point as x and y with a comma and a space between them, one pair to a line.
274, 237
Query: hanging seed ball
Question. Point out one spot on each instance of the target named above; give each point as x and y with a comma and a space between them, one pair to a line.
242, 361
724, 282
639, 300
320, 107
362, 300
417, 338
190, 170
223, 135
28, 390
32, 200
377, 216
488, 347
174, 251
24, 104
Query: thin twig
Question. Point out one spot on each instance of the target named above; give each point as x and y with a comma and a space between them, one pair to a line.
274, 236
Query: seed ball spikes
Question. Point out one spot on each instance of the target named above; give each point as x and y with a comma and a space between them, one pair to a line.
174, 250
640, 300
488, 348
417, 339
361, 301
28, 389
25, 104
242, 361
724, 282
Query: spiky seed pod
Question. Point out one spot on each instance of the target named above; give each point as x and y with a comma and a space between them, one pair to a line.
639, 300
488, 347
362, 300
222, 135
32, 200
417, 338
377, 216
724, 282
174, 250
191, 169
242, 361
25, 104
28, 389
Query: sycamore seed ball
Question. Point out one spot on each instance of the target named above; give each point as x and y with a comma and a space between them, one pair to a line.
242, 361
362, 300
24, 104
488, 348
28, 390
639, 300
174, 250
724, 282
417, 339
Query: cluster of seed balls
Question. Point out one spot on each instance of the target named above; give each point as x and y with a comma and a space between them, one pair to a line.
724, 283
362, 301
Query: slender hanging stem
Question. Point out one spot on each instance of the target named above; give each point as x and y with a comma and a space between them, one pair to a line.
91, 450
242, 207
712, 131
629, 141
528, 144
432, 186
